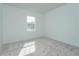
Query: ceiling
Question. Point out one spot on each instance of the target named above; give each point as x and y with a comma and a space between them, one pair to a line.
37, 7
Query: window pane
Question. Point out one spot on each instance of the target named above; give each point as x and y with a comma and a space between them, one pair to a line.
30, 23
30, 19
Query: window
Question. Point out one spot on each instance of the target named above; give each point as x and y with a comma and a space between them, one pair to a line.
31, 22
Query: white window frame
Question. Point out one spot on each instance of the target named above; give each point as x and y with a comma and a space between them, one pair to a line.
31, 20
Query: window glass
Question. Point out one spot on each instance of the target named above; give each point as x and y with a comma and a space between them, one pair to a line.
30, 23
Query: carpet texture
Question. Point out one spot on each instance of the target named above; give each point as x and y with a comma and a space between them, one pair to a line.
39, 47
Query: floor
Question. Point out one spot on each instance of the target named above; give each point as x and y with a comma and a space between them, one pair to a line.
39, 47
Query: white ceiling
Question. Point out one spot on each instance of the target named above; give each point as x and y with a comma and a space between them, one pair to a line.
37, 7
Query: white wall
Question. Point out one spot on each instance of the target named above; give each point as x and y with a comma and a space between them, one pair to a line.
63, 24
0, 25
60, 24
14, 24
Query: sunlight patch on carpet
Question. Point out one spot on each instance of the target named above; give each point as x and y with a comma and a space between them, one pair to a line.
27, 48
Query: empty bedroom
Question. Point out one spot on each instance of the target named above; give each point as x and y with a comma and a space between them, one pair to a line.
39, 29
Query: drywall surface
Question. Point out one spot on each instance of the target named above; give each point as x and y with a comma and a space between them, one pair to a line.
63, 24
14, 24
0, 25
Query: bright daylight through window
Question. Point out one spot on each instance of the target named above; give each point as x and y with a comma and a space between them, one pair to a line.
31, 23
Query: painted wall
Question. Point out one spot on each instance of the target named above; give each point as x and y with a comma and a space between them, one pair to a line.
14, 24
63, 24
60, 24
0, 25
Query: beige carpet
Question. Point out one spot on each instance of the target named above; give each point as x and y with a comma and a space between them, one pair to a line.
39, 47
